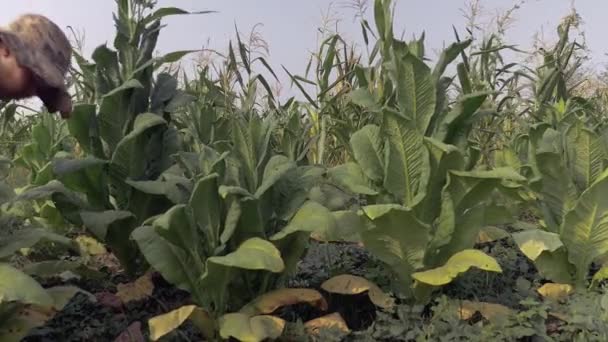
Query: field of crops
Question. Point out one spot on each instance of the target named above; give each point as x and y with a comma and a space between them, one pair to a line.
404, 198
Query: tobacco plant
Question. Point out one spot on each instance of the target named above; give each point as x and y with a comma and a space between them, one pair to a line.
424, 198
123, 132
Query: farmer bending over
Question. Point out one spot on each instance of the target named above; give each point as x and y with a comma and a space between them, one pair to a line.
34, 59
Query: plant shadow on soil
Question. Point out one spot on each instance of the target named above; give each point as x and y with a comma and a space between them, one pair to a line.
83, 320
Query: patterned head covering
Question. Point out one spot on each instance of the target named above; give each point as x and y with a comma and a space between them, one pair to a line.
41, 46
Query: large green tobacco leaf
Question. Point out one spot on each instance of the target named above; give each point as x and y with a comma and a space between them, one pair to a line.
364, 98
27, 238
174, 226
292, 191
368, 150
584, 231
174, 188
251, 141
448, 55
443, 228
350, 177
406, 161
415, 89
69, 203
232, 219
443, 158
311, 217
348, 227
254, 254
18, 286
114, 112
128, 160
172, 262
470, 193
276, 168
292, 240
458, 120
205, 207
457, 264
82, 126
586, 156
397, 238
85, 176
557, 189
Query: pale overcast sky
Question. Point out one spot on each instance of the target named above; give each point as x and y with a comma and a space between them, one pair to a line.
289, 26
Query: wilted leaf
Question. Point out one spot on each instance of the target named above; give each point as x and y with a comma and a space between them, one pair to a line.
132, 334
555, 291
271, 301
457, 264
20, 323
163, 324
140, 289
491, 234
599, 276
114, 228
63, 294
495, 313
351, 285
250, 329
90, 246
331, 321
109, 299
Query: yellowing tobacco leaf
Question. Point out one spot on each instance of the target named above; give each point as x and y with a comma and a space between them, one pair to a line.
351, 285
490, 234
600, 275
245, 328
90, 246
166, 323
555, 291
15, 327
457, 264
330, 321
492, 312
140, 289
271, 301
